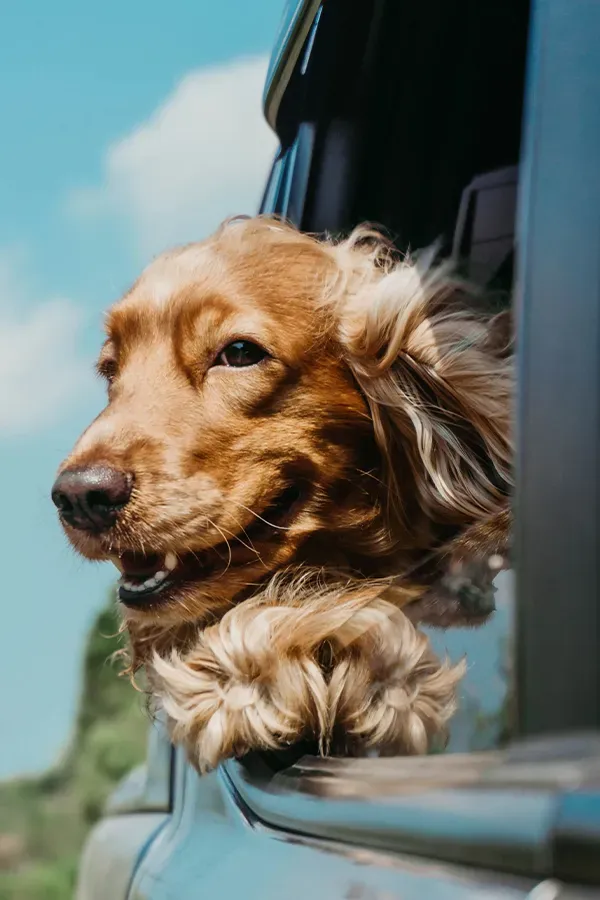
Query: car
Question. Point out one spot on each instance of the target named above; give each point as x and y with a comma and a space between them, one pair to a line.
475, 124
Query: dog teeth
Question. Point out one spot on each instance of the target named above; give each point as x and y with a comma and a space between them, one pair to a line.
170, 561
140, 587
146, 585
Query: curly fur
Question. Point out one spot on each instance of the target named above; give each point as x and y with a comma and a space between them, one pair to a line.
385, 404
339, 664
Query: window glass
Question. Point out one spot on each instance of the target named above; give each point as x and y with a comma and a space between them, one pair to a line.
273, 184
484, 717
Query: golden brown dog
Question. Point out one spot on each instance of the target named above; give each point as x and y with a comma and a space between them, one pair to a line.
301, 438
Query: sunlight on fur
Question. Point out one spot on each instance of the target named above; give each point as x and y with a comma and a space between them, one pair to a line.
337, 663
424, 365
314, 506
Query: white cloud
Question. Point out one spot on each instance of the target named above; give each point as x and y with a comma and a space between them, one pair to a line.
203, 155
40, 370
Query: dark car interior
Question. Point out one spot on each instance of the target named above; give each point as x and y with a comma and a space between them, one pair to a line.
415, 128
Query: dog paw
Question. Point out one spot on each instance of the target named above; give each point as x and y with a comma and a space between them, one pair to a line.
389, 691
356, 673
236, 691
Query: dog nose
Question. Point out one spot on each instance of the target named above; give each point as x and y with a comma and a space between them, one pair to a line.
90, 498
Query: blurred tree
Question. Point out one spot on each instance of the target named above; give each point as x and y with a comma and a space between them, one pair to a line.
44, 820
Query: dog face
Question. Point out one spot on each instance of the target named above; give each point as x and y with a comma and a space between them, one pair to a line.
233, 431
275, 400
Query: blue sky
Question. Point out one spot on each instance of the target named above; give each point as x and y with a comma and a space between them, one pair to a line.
126, 127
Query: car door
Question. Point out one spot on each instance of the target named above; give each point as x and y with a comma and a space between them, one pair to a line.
476, 124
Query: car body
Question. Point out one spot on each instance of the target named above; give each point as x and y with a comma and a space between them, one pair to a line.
480, 123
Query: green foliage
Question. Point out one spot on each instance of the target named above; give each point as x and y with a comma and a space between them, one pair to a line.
41, 881
44, 820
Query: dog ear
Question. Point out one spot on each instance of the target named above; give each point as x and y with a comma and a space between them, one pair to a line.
438, 382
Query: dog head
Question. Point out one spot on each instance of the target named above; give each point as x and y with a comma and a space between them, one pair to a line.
273, 400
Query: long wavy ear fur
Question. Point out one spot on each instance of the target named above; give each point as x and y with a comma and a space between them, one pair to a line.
438, 379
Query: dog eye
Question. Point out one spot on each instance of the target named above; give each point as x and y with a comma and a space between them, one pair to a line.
240, 354
107, 369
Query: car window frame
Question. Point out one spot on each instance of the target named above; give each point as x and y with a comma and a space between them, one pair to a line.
558, 411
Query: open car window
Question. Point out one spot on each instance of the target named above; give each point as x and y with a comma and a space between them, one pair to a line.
380, 123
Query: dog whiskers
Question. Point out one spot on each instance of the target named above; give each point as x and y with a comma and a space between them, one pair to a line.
228, 545
261, 518
249, 546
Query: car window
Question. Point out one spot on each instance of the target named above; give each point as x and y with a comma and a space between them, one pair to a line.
415, 124
272, 192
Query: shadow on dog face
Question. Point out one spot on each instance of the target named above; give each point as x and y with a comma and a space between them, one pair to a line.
234, 432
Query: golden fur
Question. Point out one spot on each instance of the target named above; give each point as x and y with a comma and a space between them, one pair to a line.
260, 677
310, 497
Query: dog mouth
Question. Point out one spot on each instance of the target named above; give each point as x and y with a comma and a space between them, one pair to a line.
149, 579
146, 574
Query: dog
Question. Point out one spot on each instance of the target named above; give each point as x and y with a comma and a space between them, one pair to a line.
306, 453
